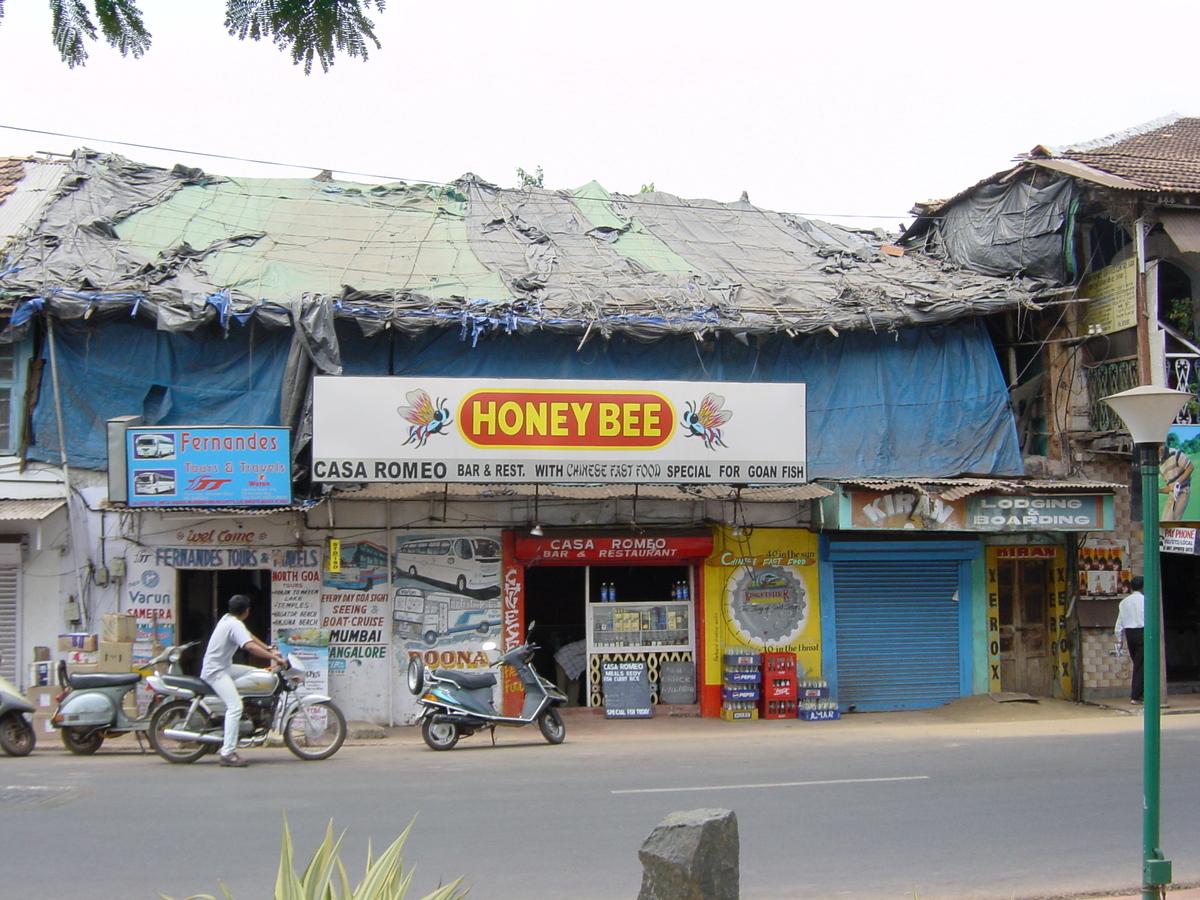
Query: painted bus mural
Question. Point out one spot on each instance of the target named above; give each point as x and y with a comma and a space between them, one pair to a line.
364, 565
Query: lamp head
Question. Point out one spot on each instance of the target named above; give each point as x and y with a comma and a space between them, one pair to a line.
1148, 411
536, 531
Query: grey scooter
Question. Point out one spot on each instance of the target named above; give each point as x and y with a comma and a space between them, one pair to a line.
93, 707
17, 736
457, 704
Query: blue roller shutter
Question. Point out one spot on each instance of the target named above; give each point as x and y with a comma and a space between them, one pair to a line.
899, 619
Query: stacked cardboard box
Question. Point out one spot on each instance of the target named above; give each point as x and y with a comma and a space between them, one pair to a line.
116, 644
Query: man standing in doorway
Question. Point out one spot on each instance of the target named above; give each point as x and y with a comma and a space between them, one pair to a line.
230, 635
1130, 628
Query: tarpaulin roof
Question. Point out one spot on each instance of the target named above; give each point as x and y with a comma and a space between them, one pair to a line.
187, 248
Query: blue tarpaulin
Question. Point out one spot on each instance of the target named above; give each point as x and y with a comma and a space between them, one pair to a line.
168, 378
919, 402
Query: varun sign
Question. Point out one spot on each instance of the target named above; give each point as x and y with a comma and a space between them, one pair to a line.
457, 429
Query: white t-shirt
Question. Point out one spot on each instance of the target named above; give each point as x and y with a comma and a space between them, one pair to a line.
230, 634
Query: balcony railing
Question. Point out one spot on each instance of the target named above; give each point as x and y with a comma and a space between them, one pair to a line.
1114, 376
1105, 379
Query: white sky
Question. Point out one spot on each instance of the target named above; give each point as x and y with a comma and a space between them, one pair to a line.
849, 111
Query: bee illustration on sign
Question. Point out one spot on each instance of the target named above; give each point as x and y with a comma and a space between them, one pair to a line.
427, 416
705, 422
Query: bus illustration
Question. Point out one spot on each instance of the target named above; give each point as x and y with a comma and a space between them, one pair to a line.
153, 446
468, 562
364, 565
155, 481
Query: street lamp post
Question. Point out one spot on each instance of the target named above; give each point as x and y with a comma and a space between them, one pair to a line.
1148, 412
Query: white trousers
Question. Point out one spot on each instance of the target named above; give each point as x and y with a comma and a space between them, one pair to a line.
228, 692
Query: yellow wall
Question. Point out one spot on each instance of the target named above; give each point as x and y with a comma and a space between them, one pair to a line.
761, 591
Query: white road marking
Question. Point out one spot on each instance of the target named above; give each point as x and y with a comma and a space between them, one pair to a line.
776, 784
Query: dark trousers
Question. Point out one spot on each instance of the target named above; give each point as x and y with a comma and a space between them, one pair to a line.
1134, 641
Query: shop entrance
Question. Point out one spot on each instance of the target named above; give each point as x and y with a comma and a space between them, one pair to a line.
1181, 617
203, 596
1026, 662
557, 598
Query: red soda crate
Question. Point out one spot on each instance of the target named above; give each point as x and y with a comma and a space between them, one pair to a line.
777, 709
782, 663
777, 688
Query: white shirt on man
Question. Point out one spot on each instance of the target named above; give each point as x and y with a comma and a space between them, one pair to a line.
1130, 614
230, 635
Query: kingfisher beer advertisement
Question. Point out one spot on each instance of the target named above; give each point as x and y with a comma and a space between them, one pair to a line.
472, 430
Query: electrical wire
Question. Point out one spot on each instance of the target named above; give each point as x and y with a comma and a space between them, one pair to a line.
625, 198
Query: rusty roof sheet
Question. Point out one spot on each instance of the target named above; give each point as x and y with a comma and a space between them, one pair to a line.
424, 491
957, 488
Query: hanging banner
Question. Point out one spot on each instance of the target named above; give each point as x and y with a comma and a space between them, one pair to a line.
544, 431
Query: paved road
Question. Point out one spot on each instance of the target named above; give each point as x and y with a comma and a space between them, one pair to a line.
859, 809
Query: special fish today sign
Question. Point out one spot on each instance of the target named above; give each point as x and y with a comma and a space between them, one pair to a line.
549, 431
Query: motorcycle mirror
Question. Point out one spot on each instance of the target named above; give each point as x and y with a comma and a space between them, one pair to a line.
529, 629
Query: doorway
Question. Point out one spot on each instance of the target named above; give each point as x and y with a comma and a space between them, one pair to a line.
203, 597
1026, 664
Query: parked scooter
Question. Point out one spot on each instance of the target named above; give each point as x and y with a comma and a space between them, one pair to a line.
457, 704
17, 736
93, 706
192, 720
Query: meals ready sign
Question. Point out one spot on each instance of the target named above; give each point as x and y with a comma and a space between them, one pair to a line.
547, 431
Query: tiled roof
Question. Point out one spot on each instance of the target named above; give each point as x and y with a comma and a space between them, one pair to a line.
1164, 156
12, 170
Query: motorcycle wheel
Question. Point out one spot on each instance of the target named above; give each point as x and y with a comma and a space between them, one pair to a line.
439, 735
174, 715
17, 736
310, 738
551, 724
82, 741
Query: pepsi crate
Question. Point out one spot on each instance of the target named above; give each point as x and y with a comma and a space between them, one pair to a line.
744, 675
739, 693
778, 709
819, 715
742, 657
738, 715
779, 689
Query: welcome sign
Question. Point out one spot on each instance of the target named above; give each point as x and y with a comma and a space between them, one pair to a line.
544, 431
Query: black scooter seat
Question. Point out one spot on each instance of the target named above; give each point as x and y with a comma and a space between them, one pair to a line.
468, 681
86, 682
188, 683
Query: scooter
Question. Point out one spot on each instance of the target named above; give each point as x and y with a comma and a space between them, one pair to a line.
93, 706
17, 736
457, 704
192, 721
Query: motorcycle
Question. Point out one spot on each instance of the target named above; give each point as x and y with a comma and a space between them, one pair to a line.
17, 736
191, 720
92, 707
457, 704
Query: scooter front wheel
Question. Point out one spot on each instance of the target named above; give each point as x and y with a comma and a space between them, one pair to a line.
82, 741
551, 725
439, 735
17, 736
174, 715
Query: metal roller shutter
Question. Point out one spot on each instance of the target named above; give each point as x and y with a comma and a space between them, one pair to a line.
897, 633
8, 623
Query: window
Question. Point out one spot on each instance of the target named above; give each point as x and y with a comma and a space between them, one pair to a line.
12, 376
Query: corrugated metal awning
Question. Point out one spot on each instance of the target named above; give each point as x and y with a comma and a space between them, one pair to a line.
1087, 173
957, 488
422, 491
28, 510
1184, 228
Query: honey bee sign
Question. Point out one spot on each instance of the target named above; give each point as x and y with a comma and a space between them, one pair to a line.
557, 432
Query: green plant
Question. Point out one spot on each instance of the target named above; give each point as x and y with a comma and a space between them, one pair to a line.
536, 178
384, 878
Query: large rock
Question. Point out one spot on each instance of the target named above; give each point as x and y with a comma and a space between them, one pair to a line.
691, 856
